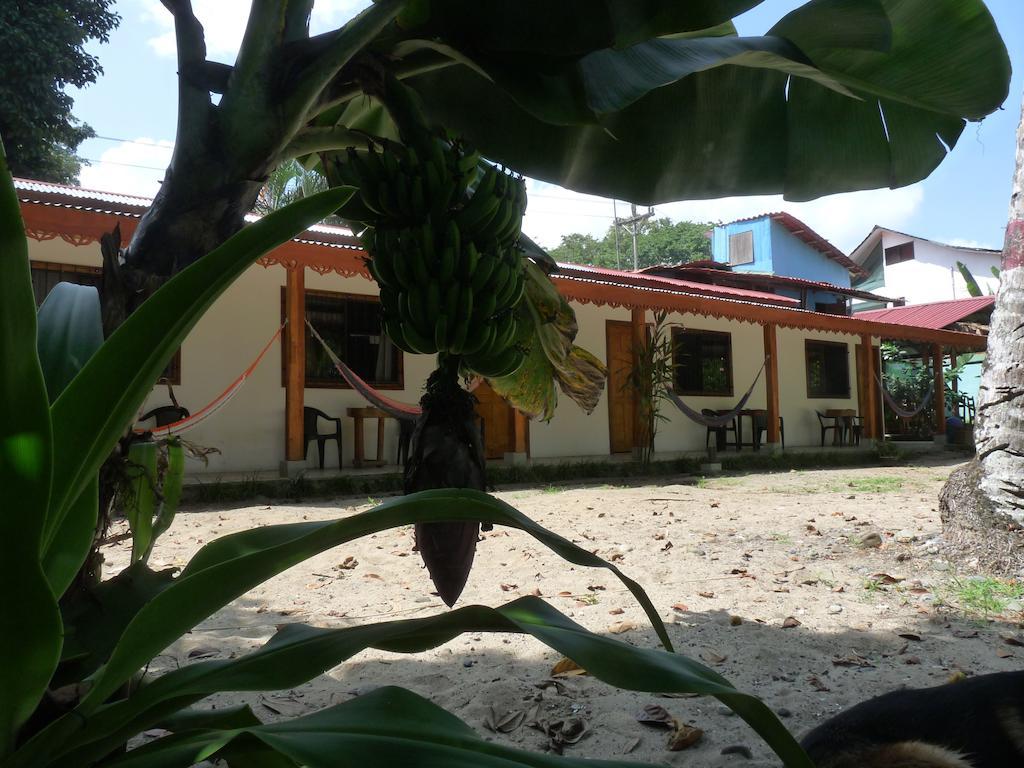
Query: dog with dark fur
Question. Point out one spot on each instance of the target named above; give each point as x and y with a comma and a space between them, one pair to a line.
975, 723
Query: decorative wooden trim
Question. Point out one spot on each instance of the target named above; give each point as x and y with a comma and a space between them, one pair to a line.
771, 382
295, 357
631, 297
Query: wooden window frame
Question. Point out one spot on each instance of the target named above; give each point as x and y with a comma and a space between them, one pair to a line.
808, 343
899, 253
172, 371
337, 383
676, 333
749, 234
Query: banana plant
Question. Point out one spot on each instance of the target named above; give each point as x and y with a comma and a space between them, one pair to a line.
73, 694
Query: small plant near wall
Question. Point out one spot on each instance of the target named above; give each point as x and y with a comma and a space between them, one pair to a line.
650, 377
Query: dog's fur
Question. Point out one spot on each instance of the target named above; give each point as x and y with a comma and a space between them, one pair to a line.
976, 723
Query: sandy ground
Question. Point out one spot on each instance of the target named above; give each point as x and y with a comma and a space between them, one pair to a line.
726, 561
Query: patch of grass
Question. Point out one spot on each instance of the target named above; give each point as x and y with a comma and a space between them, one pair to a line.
782, 538
870, 484
588, 599
553, 489
983, 595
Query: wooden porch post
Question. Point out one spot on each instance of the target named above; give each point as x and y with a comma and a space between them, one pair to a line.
869, 417
939, 394
639, 321
771, 381
520, 436
295, 363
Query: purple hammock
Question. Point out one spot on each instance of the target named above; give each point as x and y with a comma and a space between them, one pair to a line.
722, 419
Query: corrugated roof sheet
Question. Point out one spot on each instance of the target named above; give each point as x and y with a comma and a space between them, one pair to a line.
803, 232
638, 279
935, 315
67, 196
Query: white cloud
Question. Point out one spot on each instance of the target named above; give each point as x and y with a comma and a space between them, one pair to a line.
962, 242
129, 167
224, 23
843, 219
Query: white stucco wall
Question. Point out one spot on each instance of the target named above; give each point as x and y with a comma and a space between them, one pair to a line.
932, 274
249, 430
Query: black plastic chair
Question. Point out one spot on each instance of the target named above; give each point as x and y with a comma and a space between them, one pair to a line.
835, 426
311, 433
761, 425
166, 414
721, 433
857, 428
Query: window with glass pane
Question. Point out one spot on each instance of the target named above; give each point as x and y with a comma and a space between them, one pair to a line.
828, 369
702, 362
46, 274
351, 326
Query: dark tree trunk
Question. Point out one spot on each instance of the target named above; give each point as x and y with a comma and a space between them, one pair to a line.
982, 505
446, 452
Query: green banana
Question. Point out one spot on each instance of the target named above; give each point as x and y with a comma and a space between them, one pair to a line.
418, 263
469, 261
482, 335
383, 262
420, 344
451, 300
502, 363
441, 333
486, 303
485, 266
453, 236
417, 304
433, 308
446, 266
457, 338
403, 270
393, 328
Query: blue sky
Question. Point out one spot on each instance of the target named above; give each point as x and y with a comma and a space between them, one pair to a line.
964, 202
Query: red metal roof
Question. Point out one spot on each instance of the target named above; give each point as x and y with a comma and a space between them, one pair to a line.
640, 280
703, 271
935, 315
803, 232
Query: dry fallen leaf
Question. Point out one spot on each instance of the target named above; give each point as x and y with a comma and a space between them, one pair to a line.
711, 656
508, 587
706, 594
656, 716
1011, 639
1004, 653
620, 627
790, 622
630, 746
566, 666
816, 683
683, 737
910, 636
347, 564
680, 607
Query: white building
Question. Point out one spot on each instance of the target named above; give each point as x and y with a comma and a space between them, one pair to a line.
918, 270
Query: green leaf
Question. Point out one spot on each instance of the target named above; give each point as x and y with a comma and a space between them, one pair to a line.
174, 478
228, 567
141, 505
972, 285
68, 551
96, 407
298, 652
767, 126
70, 331
30, 627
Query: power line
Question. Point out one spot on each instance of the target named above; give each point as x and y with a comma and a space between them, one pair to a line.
126, 165
159, 145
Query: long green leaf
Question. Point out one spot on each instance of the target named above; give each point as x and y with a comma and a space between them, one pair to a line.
298, 653
68, 551
142, 504
228, 567
102, 399
30, 628
70, 332
973, 288
767, 126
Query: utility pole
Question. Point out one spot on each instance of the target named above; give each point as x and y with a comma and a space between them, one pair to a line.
632, 221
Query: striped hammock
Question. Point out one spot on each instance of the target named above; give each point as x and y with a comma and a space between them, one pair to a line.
898, 409
394, 408
722, 419
183, 425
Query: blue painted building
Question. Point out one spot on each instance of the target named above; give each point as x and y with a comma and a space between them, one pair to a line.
781, 245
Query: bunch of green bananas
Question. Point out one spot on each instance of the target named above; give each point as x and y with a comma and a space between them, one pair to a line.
442, 235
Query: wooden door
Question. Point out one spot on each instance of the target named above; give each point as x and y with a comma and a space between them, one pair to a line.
621, 406
497, 416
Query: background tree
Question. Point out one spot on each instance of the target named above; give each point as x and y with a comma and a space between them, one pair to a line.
982, 503
659, 241
42, 51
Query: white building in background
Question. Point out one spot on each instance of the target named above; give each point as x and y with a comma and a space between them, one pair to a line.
919, 270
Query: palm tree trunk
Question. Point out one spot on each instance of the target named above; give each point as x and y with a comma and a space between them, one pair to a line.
982, 504
446, 452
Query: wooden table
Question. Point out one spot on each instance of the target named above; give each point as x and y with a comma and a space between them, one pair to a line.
844, 421
358, 414
754, 414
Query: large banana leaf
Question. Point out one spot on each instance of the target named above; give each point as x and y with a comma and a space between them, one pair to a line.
228, 567
548, 327
689, 118
30, 627
94, 409
70, 331
298, 652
